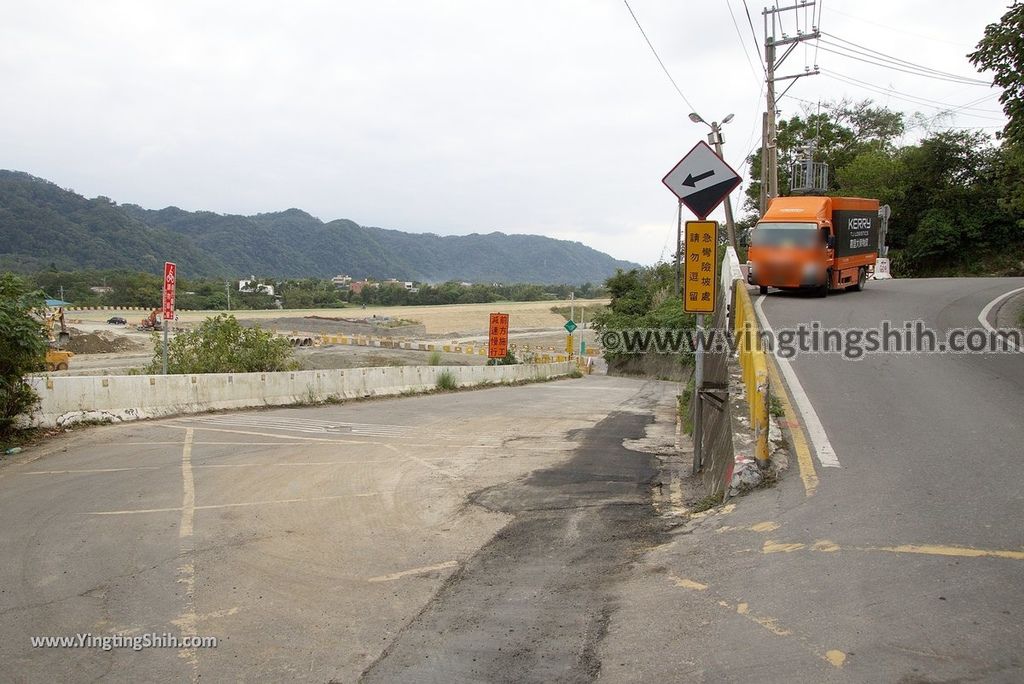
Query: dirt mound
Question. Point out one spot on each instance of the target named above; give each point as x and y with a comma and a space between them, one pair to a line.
100, 343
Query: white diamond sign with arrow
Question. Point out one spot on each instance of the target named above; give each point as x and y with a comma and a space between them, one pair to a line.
701, 180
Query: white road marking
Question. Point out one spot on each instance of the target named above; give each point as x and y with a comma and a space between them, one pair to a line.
983, 316
308, 425
188, 486
815, 430
414, 571
90, 470
133, 511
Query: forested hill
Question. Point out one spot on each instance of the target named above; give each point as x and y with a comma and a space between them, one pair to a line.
44, 226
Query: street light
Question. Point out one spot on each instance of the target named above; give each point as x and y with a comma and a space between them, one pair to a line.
715, 138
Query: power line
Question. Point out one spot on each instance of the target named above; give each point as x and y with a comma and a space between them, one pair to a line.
753, 33
914, 99
817, 25
876, 54
655, 52
892, 67
890, 27
743, 43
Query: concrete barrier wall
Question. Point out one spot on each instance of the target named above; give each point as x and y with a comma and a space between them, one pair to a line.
67, 400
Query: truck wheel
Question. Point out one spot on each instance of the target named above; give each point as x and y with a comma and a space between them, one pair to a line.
823, 290
862, 278
62, 366
763, 289
49, 367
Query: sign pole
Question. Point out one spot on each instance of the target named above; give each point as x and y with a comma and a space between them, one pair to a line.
170, 282
165, 346
698, 407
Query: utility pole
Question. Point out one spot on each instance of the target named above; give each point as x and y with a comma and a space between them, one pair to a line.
769, 146
679, 245
227, 289
715, 139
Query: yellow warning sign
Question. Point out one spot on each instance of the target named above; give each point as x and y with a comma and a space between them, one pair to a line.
700, 268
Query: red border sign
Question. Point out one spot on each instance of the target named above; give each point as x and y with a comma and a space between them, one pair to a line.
170, 277
497, 340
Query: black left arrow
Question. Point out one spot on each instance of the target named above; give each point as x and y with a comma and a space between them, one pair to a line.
691, 180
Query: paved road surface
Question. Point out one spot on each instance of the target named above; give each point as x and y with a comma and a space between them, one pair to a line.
317, 543
907, 563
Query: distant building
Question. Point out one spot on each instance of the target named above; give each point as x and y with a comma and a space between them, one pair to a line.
341, 280
408, 284
357, 286
251, 285
464, 284
101, 289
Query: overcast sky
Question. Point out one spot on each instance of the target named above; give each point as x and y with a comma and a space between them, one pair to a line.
549, 117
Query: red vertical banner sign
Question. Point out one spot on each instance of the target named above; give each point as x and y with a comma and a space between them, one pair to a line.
170, 277
497, 339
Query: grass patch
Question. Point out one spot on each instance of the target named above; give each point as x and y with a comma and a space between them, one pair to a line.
685, 412
434, 359
446, 381
775, 407
376, 361
707, 503
587, 313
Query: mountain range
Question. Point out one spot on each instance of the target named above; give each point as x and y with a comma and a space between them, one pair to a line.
45, 226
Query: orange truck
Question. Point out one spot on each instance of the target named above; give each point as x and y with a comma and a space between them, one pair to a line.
814, 243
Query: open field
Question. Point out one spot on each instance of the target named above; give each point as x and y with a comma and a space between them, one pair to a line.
439, 320
531, 323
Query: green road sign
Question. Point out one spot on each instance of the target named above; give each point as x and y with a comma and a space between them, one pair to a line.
570, 326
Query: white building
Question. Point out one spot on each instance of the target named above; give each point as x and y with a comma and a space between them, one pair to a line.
251, 285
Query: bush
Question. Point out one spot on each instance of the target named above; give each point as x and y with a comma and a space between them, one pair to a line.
508, 360
24, 348
434, 359
446, 381
222, 345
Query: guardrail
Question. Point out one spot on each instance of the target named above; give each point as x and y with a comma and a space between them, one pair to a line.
539, 353
754, 364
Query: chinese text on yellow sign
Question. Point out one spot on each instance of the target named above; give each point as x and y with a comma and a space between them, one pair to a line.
701, 267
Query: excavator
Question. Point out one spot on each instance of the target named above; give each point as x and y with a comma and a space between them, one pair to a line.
151, 322
57, 358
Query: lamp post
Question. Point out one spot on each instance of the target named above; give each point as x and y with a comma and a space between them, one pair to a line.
715, 139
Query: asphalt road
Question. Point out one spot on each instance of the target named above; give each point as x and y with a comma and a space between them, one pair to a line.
473, 535
907, 561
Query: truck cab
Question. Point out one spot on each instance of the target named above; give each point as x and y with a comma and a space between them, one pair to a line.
814, 243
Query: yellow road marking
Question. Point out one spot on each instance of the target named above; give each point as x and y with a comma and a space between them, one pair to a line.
414, 571
808, 474
780, 547
940, 550
826, 546
766, 526
687, 583
833, 657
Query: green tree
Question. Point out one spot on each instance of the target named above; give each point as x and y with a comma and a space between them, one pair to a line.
840, 132
1001, 51
222, 345
24, 348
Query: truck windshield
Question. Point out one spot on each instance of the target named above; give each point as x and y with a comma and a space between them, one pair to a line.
785, 235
